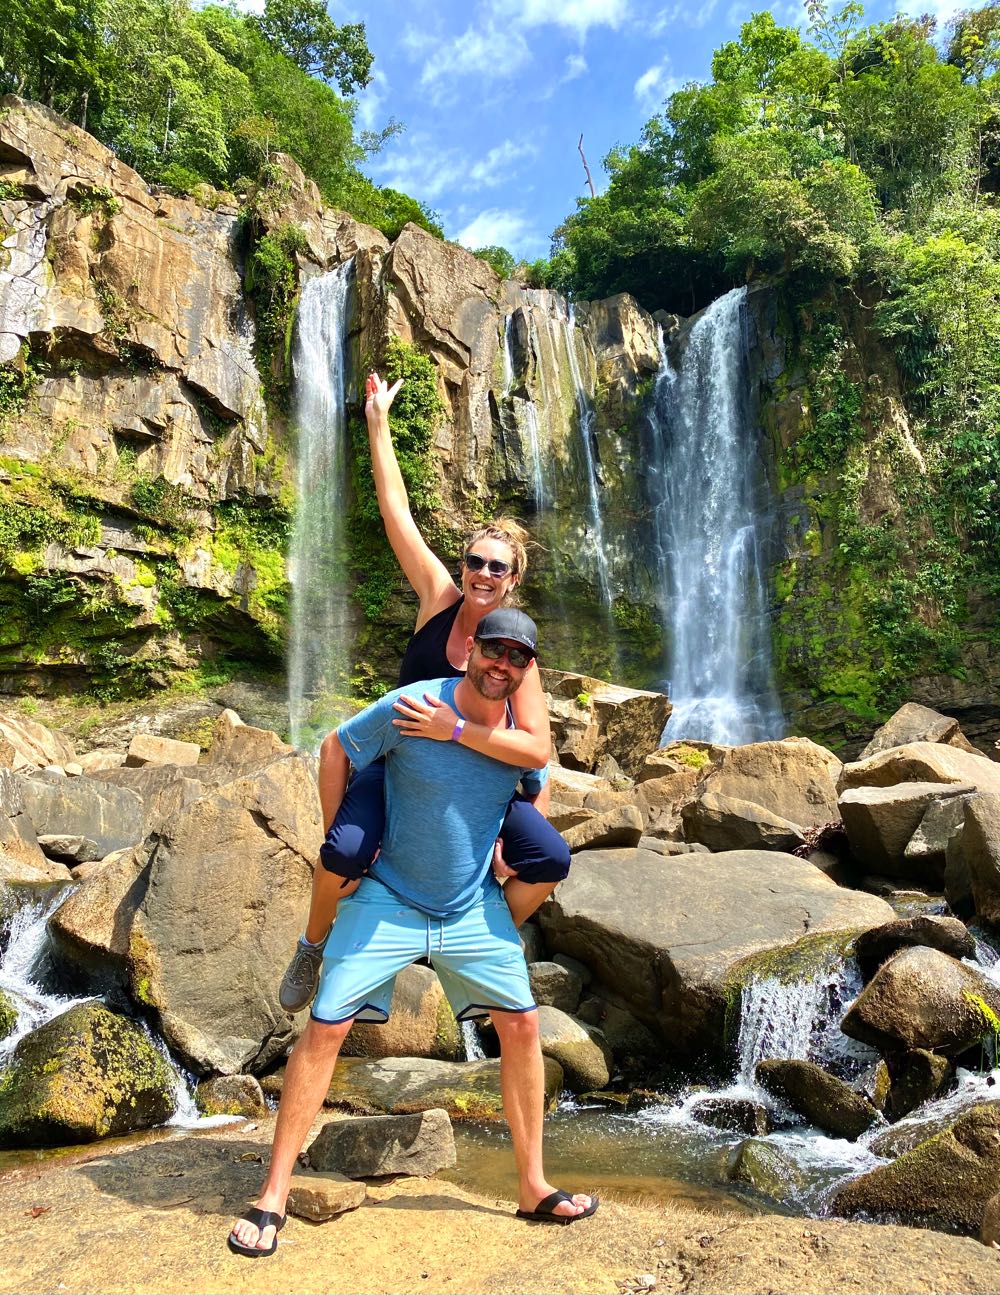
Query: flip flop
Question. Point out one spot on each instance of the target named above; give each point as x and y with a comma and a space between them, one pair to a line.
543, 1211
261, 1219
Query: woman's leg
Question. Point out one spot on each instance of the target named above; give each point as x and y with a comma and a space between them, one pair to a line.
536, 852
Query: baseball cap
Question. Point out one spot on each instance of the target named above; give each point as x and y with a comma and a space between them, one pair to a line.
512, 624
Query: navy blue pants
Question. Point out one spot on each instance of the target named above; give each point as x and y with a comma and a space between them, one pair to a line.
531, 845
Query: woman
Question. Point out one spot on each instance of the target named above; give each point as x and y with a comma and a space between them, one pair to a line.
531, 853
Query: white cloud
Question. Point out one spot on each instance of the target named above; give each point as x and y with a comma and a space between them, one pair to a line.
942, 10
655, 85
371, 99
250, 6
576, 65
490, 53
496, 166
682, 14
576, 15
496, 227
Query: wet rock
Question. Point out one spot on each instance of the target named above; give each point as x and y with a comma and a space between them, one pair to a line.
581, 1050
820, 1097
420, 1024
734, 1114
8, 1016
880, 822
149, 748
627, 1037
236, 744
725, 823
371, 1147
922, 998
947, 934
915, 723
555, 986
84, 1075
794, 779
922, 762
917, 1077
618, 827
661, 929
468, 1090
321, 1196
944, 1182
591, 719
111, 817
762, 1166
231, 1095
981, 851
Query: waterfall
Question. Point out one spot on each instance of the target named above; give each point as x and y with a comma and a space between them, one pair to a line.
319, 656
470, 1041
585, 418
529, 416
705, 487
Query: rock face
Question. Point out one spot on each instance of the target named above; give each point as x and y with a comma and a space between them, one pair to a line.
110, 817
84, 1075
418, 1144
823, 1099
671, 961
922, 998
944, 1182
592, 719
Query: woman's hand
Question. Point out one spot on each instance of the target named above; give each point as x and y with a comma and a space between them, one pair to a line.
431, 718
501, 869
379, 397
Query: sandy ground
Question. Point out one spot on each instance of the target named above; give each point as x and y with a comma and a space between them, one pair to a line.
154, 1218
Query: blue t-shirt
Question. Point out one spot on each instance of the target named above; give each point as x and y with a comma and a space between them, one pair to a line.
444, 805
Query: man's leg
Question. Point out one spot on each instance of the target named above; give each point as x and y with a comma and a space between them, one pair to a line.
522, 1085
307, 1078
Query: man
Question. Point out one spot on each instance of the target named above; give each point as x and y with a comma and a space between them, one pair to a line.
431, 892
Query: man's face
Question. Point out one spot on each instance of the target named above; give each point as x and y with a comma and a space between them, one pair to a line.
495, 680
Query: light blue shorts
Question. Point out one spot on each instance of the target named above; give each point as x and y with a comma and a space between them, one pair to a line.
476, 954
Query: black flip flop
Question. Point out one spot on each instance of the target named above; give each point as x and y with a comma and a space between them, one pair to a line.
261, 1219
543, 1211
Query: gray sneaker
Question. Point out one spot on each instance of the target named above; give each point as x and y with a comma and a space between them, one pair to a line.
300, 981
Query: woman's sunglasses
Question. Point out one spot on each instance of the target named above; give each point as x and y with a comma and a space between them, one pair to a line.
494, 566
494, 650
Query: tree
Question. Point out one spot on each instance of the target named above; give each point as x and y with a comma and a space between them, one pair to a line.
499, 258
303, 31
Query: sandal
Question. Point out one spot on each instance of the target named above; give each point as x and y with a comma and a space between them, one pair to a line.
543, 1211
261, 1219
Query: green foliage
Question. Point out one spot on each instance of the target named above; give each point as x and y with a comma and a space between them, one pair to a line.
99, 199
272, 279
303, 31
499, 259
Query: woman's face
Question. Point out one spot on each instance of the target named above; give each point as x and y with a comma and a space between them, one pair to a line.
483, 591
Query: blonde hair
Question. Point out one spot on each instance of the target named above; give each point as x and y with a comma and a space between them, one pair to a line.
508, 531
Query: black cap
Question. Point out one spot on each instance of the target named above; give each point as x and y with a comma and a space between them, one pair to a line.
512, 624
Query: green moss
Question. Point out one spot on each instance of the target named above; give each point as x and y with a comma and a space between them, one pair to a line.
8, 1016
690, 756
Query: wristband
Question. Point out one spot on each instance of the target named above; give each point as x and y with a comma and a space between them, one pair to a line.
456, 732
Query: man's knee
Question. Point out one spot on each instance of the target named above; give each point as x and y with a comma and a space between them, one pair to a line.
516, 1029
324, 1036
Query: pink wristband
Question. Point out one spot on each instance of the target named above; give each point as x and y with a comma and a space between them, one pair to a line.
456, 732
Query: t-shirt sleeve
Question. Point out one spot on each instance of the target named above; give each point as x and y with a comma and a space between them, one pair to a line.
371, 733
533, 780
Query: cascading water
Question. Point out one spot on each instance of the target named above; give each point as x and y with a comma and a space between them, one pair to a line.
585, 417
529, 415
319, 656
705, 491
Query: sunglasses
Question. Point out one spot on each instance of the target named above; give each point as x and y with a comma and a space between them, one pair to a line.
494, 650
495, 567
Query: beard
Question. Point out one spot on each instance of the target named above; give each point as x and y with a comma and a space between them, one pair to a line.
492, 689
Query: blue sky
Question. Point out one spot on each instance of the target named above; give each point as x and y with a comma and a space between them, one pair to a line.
494, 95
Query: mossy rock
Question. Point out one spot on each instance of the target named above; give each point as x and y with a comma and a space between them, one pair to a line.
85, 1075
231, 1095
768, 1171
8, 1016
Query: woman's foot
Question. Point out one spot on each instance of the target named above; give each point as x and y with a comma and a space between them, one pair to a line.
301, 980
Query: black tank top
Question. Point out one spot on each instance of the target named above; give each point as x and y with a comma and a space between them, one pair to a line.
426, 655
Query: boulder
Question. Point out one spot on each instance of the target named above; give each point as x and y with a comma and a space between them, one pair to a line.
627, 1037
944, 1182
917, 1076
91, 928
766, 1168
574, 789
658, 846
915, 723
677, 756
725, 823
880, 822
15, 871
661, 930
616, 827
321, 1196
820, 1097
84, 1075
591, 719
532, 942
18, 840
229, 880
71, 849
231, 1095
981, 852
101, 761
238, 745
734, 1114
922, 762
926, 854
794, 779
947, 934
111, 817
581, 1050
555, 986
32, 745
467, 1090
420, 1024
371, 1147
149, 748
922, 998
661, 801
165, 789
